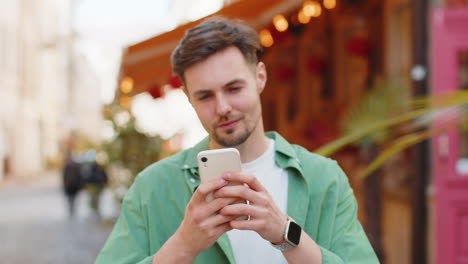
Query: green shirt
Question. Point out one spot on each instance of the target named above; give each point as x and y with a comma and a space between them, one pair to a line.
320, 200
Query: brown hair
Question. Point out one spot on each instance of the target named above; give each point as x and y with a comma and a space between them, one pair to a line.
211, 36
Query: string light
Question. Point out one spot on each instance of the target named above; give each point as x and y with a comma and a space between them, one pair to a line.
126, 86
303, 19
280, 22
311, 8
329, 4
266, 38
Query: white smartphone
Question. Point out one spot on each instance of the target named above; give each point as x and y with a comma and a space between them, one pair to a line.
212, 164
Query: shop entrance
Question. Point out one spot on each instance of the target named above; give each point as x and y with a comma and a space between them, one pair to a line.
450, 149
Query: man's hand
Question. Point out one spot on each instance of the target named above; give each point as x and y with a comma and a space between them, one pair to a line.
202, 224
265, 217
205, 222
201, 227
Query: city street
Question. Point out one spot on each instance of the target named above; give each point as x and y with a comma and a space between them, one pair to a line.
35, 227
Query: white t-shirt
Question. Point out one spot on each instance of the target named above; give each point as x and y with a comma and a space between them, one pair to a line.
248, 246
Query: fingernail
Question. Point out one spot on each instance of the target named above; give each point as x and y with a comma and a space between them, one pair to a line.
227, 175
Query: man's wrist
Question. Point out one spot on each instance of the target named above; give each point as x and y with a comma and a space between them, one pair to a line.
281, 240
184, 248
175, 251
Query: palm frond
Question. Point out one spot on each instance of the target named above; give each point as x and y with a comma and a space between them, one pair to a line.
428, 109
384, 100
407, 141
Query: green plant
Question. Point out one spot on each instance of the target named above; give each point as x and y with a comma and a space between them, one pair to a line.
130, 149
389, 118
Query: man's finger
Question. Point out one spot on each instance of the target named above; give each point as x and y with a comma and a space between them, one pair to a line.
246, 178
206, 188
240, 209
219, 203
218, 219
247, 225
239, 191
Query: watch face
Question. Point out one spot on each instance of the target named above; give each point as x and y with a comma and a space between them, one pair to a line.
294, 233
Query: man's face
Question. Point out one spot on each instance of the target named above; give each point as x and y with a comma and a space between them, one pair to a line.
225, 92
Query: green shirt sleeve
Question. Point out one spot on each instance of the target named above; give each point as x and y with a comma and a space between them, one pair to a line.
128, 242
349, 243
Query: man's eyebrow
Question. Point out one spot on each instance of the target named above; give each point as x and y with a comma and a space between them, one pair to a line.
201, 92
234, 82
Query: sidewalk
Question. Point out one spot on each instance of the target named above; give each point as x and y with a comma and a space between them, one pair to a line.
44, 178
35, 227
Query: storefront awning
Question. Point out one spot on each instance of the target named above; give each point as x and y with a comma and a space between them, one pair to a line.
148, 63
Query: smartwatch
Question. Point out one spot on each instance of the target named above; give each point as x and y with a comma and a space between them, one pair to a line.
292, 236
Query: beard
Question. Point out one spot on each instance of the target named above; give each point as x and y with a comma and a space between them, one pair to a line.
230, 140
235, 136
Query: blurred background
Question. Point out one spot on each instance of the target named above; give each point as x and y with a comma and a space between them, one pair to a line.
88, 99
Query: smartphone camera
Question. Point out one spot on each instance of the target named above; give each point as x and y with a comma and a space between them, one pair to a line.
204, 159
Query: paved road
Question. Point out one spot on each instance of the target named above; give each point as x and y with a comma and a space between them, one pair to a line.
35, 227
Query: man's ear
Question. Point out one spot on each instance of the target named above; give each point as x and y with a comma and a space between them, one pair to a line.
261, 76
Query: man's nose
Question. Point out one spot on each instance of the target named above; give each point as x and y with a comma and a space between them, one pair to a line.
222, 105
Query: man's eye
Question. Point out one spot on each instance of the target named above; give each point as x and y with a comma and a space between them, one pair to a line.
204, 97
234, 89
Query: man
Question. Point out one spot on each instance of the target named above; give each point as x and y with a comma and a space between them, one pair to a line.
165, 217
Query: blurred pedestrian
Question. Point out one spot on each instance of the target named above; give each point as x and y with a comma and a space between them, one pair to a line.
95, 180
71, 182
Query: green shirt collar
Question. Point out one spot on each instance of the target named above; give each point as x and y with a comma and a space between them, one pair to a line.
285, 155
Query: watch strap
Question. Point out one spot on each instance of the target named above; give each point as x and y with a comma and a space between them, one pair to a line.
284, 246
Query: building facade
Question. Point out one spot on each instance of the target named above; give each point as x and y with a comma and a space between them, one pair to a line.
40, 88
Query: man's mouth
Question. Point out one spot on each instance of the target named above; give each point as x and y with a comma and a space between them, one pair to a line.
228, 124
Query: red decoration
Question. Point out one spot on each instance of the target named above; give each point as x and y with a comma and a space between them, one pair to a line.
359, 47
320, 132
155, 91
284, 73
175, 81
315, 64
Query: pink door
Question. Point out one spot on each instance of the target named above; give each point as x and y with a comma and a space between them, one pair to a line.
449, 54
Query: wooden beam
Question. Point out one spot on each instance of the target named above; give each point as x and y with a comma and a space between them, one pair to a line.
153, 64
421, 152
